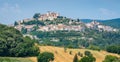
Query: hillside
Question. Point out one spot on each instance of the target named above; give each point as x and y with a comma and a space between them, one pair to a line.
111, 22
16, 59
61, 56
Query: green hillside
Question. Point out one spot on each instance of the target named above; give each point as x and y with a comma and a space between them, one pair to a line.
113, 22
12, 43
11, 59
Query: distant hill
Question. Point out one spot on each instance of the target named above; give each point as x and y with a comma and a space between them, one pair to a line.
111, 22
89, 20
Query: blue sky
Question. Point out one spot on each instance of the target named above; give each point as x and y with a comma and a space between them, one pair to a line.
13, 10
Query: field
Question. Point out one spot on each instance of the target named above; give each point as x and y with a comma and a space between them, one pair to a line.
60, 55
16, 59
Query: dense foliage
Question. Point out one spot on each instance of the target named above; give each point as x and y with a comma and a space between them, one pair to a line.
91, 39
110, 58
12, 43
32, 22
45, 57
75, 58
113, 49
113, 22
88, 57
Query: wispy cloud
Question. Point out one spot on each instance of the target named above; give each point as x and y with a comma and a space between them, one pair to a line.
106, 12
10, 8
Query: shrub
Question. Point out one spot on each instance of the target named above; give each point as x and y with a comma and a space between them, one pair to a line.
45, 57
87, 53
110, 58
88, 59
75, 58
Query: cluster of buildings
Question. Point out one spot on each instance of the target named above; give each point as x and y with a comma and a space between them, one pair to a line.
53, 15
28, 27
61, 27
48, 16
100, 27
79, 27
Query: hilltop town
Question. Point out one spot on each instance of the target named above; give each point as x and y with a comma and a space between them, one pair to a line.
52, 21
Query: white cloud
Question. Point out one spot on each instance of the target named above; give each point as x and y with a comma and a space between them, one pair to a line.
8, 8
106, 12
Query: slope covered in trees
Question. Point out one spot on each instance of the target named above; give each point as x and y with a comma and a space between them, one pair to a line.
112, 22
12, 43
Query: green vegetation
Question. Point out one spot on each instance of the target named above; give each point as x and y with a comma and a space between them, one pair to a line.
32, 22
36, 16
110, 58
113, 49
87, 53
80, 54
88, 57
91, 39
113, 22
15, 23
45, 57
10, 59
12, 43
93, 47
75, 58
23, 30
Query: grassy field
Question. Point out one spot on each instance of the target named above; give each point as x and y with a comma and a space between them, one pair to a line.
61, 56
16, 59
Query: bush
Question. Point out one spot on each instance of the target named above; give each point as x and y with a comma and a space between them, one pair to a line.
87, 53
113, 49
110, 58
88, 59
45, 57
92, 47
70, 52
75, 58
80, 54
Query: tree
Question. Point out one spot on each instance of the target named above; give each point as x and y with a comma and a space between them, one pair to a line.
80, 54
45, 57
78, 20
70, 52
24, 30
87, 53
113, 49
75, 58
110, 58
93, 47
15, 23
12, 43
36, 16
88, 59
